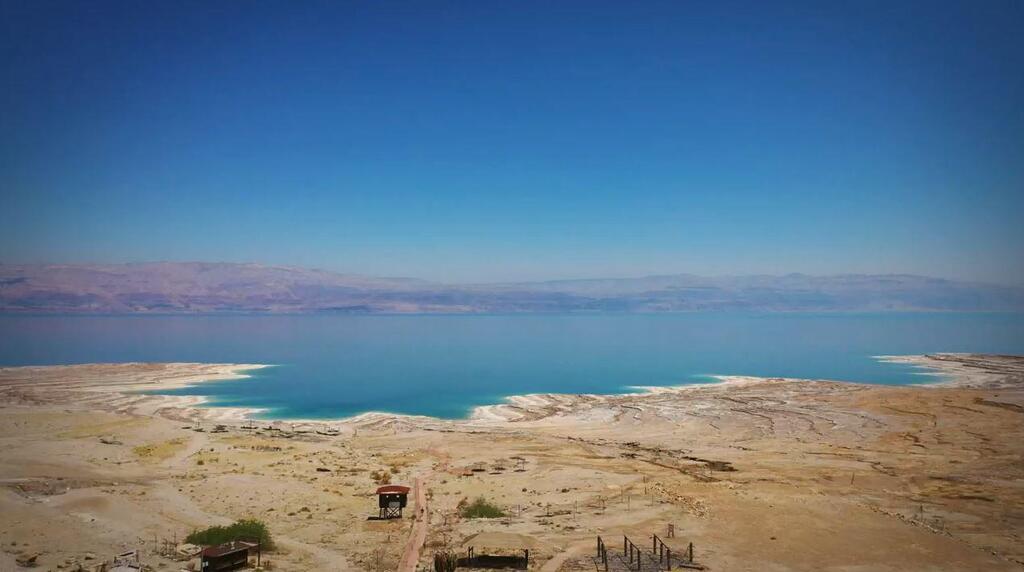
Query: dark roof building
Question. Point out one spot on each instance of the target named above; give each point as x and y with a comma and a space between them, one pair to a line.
228, 556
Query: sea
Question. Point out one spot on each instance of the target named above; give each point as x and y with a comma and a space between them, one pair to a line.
336, 366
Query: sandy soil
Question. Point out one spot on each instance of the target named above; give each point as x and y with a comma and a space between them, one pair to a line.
759, 474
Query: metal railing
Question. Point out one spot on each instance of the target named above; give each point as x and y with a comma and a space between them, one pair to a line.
602, 553
633, 551
633, 557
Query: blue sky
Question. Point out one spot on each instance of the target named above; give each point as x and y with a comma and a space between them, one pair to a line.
484, 141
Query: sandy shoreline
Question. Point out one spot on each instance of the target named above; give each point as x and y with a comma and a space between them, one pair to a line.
759, 473
965, 370
152, 378
132, 386
123, 384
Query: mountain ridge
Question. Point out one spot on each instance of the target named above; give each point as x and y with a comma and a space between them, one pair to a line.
218, 287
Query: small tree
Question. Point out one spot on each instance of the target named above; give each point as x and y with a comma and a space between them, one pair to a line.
246, 529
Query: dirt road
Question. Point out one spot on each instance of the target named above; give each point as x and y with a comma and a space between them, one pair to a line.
418, 534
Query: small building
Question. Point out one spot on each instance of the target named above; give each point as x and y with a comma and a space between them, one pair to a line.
391, 499
228, 556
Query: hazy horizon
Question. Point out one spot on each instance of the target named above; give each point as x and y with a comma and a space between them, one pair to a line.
226, 287
541, 279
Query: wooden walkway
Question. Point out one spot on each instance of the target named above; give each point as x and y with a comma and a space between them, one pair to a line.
418, 534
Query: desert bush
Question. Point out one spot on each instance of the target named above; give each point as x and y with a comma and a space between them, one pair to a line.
250, 529
481, 508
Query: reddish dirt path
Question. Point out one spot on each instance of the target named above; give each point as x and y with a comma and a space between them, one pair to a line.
418, 534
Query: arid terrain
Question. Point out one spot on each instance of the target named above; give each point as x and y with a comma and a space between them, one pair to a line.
759, 474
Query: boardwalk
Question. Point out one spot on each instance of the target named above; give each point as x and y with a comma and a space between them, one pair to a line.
418, 534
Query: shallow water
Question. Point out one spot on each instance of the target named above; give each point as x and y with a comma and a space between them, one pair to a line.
337, 366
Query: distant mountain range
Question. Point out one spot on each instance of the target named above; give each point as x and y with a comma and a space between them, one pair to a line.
198, 287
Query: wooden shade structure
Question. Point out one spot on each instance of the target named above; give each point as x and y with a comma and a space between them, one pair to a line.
391, 499
489, 542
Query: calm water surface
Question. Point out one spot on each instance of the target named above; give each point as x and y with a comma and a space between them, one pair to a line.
336, 366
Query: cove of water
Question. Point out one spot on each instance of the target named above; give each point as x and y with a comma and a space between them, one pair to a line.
338, 366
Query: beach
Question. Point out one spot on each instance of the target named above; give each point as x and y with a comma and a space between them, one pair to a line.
758, 473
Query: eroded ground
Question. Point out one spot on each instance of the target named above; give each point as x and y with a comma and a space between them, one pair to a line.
759, 474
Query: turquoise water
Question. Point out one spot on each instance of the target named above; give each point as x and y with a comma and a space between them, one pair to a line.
337, 366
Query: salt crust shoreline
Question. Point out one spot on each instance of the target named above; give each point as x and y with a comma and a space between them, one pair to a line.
950, 374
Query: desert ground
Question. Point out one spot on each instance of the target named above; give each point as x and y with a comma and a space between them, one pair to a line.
758, 474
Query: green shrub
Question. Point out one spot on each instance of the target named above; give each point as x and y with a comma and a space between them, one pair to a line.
480, 508
242, 530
